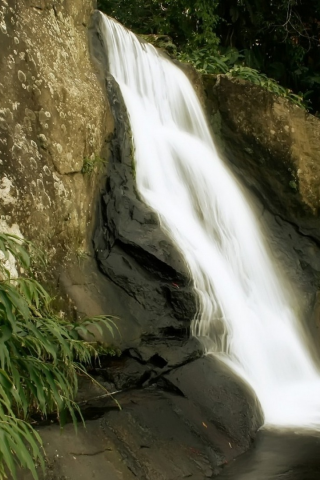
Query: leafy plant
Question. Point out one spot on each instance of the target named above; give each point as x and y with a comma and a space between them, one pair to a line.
280, 39
253, 76
41, 355
190, 23
207, 60
161, 41
91, 164
213, 62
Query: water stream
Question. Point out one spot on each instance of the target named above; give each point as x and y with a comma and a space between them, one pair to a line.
245, 313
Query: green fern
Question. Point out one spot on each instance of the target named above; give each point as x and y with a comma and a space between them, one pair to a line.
41, 356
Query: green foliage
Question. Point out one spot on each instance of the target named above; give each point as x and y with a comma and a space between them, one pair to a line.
92, 164
40, 357
161, 41
253, 76
189, 23
213, 62
280, 39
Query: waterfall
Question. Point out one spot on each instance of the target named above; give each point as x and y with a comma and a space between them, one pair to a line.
244, 313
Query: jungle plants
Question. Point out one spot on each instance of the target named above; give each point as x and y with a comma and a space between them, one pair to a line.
41, 355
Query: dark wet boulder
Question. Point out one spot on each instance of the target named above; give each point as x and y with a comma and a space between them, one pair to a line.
189, 424
132, 249
225, 399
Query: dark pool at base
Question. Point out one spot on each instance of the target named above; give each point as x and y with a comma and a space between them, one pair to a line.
278, 456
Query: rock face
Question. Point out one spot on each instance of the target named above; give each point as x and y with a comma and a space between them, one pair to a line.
160, 423
135, 253
182, 416
273, 147
274, 144
190, 424
223, 398
174, 433
53, 116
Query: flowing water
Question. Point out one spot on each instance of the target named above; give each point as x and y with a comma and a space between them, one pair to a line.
244, 312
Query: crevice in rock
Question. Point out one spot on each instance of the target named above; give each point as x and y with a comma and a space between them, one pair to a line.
158, 361
164, 384
93, 454
298, 229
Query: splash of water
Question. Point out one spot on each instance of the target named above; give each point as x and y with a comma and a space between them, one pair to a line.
243, 311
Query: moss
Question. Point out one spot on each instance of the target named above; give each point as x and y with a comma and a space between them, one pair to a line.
293, 185
91, 165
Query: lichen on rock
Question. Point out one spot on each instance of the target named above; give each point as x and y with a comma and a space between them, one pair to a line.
53, 114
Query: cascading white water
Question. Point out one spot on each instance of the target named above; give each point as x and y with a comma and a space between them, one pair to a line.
243, 312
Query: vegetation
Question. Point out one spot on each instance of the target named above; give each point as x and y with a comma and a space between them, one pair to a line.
229, 64
279, 39
41, 355
91, 164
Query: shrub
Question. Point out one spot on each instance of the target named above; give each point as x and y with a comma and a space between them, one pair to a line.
41, 355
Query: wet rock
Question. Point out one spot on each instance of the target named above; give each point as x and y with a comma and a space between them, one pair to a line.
224, 399
198, 418
156, 435
86, 455
190, 423
132, 249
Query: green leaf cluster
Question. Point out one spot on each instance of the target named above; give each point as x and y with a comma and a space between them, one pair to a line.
258, 78
231, 62
188, 22
41, 355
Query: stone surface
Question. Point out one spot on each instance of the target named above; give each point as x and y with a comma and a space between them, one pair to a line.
190, 415
132, 249
223, 398
273, 144
272, 147
87, 455
53, 115
169, 431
